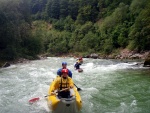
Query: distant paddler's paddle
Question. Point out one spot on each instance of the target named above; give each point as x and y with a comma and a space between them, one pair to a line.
79, 89
38, 98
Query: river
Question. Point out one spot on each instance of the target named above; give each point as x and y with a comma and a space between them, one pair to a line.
108, 86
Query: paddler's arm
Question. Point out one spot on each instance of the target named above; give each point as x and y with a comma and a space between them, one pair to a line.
71, 83
55, 87
59, 72
69, 73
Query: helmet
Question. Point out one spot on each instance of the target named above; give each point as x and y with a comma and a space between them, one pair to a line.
64, 70
64, 63
80, 58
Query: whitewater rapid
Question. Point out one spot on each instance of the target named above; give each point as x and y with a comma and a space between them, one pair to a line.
108, 86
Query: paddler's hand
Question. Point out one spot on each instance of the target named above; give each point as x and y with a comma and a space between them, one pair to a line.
53, 93
71, 87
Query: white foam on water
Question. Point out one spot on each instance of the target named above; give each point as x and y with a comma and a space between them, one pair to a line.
43, 105
26, 81
134, 103
91, 89
124, 107
88, 68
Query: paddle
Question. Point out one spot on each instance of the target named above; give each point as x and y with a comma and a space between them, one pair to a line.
79, 89
38, 98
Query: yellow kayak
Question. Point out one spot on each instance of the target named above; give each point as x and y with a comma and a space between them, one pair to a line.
72, 104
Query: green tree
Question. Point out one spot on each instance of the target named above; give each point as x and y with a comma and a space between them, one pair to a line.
73, 8
59, 42
59, 25
53, 9
139, 33
64, 8
69, 24
84, 14
90, 41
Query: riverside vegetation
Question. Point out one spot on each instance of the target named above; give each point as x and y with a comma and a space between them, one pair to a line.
56, 27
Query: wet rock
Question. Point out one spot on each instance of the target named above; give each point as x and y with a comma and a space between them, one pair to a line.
6, 65
135, 56
86, 56
95, 56
147, 61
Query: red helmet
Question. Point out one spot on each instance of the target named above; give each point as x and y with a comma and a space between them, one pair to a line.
64, 70
80, 58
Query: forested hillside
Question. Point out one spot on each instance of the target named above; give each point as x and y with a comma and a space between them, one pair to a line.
31, 27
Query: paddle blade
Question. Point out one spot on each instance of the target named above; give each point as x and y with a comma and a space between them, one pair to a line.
79, 89
34, 100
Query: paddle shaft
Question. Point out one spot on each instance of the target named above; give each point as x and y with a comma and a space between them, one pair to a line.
56, 92
37, 98
77, 87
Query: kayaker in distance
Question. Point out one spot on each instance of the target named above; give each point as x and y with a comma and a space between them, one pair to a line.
64, 66
63, 82
78, 63
80, 60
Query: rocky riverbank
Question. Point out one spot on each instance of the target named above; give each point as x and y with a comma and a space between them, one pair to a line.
122, 55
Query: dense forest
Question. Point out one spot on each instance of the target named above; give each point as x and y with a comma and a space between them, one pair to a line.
32, 27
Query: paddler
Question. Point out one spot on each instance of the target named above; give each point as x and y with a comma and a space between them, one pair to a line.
80, 60
63, 82
78, 63
64, 66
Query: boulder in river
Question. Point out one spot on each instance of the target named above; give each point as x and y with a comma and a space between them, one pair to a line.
6, 64
147, 61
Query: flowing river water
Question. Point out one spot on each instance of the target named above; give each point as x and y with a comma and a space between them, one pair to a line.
108, 86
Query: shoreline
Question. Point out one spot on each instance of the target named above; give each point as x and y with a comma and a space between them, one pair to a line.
124, 56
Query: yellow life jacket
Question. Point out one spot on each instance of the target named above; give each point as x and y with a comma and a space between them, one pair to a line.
61, 83
80, 61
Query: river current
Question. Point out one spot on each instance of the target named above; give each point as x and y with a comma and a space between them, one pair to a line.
108, 86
